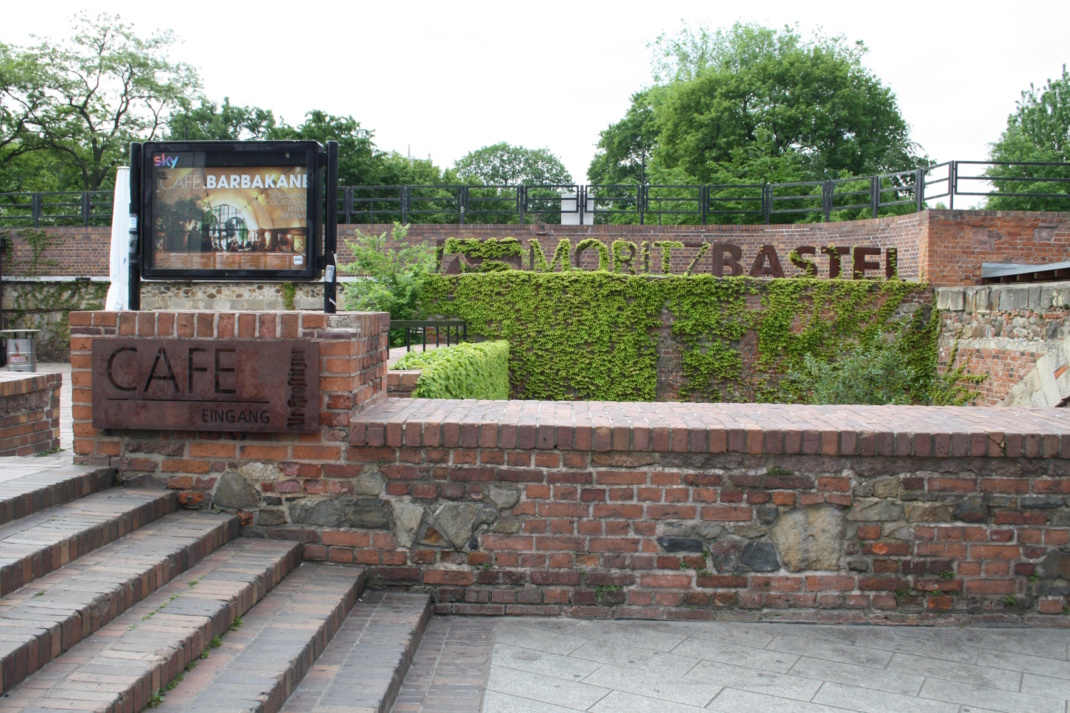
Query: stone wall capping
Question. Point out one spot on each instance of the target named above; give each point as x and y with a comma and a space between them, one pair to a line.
755, 429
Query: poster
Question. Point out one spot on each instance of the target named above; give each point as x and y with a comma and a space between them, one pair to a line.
228, 218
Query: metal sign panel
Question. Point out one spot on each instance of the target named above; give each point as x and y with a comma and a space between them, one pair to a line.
236, 385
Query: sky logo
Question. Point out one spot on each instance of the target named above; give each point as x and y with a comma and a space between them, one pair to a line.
164, 161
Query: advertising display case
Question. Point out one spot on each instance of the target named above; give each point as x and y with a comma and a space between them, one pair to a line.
231, 210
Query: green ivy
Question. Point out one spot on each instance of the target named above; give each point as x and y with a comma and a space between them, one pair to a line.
465, 371
289, 292
597, 335
490, 251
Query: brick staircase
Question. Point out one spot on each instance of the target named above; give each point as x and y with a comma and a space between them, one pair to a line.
112, 600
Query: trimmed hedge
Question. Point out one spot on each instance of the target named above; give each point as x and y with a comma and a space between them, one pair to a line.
466, 371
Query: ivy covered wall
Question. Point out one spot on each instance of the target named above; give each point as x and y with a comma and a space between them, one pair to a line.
605, 336
46, 305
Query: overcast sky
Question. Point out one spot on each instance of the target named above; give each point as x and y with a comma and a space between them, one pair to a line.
442, 79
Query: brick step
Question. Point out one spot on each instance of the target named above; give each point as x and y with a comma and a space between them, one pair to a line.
121, 667
25, 494
42, 620
364, 665
37, 544
259, 665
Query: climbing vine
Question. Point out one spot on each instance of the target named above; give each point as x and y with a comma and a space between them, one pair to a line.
599, 335
39, 241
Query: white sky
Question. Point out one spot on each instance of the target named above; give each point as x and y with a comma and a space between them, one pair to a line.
447, 78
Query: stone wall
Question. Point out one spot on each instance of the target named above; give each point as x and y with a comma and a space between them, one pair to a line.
29, 413
1005, 332
44, 304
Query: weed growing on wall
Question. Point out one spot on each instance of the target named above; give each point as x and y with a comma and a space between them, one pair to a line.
598, 335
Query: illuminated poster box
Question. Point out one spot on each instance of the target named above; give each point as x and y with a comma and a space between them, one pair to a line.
234, 210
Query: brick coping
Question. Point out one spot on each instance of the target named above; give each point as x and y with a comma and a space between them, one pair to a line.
14, 383
774, 429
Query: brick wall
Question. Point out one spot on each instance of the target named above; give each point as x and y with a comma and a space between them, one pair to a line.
29, 413
665, 511
698, 512
353, 354
959, 241
940, 246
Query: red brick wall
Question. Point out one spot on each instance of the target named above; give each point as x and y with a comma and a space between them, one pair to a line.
600, 484
944, 247
353, 354
29, 413
959, 241
73, 252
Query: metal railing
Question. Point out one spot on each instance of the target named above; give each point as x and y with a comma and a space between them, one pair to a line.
842, 198
417, 330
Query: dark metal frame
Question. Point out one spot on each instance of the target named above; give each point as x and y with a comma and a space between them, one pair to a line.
309, 154
458, 327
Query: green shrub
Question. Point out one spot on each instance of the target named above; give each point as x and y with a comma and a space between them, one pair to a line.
465, 371
393, 273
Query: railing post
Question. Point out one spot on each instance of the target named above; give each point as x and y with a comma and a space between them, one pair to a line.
640, 203
919, 189
767, 202
521, 201
404, 200
581, 205
462, 201
704, 199
826, 199
36, 210
85, 209
952, 182
875, 194
349, 204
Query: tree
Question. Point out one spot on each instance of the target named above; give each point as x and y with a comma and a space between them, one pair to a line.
502, 164
755, 105
1038, 130
625, 146
208, 121
101, 90
19, 100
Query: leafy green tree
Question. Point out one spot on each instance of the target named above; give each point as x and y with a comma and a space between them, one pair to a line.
625, 146
20, 99
778, 96
1038, 130
358, 163
101, 90
503, 164
208, 121
391, 272
752, 105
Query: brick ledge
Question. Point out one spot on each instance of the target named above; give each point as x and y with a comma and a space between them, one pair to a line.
774, 429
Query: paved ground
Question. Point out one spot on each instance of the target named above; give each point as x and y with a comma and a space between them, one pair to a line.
515, 665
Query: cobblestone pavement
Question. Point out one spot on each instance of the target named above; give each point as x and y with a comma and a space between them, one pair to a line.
558, 665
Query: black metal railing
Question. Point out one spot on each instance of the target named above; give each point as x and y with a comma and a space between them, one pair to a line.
419, 331
837, 199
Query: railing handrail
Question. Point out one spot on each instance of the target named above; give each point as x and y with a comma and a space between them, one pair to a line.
457, 202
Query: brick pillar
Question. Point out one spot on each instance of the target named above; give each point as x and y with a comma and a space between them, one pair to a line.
353, 361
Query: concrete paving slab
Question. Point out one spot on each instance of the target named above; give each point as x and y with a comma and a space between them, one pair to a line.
867, 700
